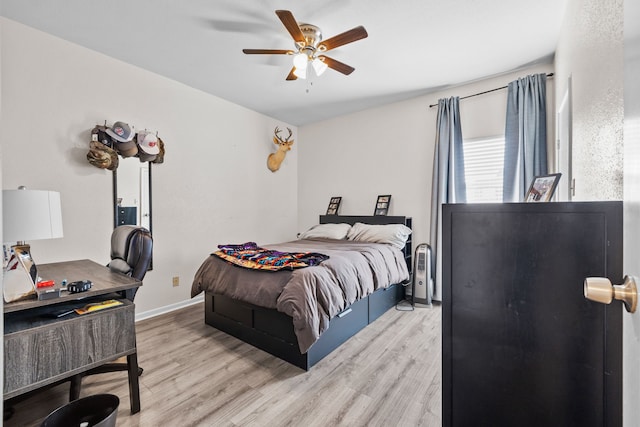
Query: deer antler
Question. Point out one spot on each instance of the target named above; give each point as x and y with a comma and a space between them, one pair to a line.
277, 131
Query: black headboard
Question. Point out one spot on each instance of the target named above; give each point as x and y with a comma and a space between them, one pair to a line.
375, 220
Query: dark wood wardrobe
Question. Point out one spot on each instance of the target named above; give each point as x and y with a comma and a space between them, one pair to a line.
521, 344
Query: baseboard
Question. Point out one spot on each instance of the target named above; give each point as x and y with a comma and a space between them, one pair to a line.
169, 308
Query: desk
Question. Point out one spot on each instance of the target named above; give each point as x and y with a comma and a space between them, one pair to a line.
41, 350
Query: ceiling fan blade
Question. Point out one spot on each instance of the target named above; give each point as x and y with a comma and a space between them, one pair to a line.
341, 39
267, 51
291, 25
292, 76
337, 65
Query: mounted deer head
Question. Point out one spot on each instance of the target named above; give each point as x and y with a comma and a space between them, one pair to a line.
275, 159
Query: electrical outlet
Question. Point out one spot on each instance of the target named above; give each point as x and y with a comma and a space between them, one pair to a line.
176, 280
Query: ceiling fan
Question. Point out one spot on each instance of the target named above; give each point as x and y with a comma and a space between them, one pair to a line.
309, 46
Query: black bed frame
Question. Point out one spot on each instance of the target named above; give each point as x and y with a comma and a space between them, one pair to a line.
272, 331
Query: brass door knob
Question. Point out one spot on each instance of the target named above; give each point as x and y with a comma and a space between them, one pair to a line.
599, 289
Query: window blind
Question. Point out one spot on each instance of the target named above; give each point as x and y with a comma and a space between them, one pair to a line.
483, 167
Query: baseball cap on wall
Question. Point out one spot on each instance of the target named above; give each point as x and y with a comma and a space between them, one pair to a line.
160, 157
121, 131
126, 150
148, 142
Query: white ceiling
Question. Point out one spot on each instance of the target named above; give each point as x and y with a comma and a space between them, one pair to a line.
414, 46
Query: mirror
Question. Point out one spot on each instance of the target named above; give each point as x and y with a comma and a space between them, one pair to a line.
132, 193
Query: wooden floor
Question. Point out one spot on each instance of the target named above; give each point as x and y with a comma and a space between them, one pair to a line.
194, 375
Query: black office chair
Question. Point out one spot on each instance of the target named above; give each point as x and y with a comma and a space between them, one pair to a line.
131, 253
131, 250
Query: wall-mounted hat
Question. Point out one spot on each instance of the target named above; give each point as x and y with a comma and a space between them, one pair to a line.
148, 142
160, 157
121, 132
101, 156
149, 149
144, 157
99, 133
127, 149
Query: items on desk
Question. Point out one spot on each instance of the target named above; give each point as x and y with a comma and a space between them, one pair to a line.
90, 308
61, 312
47, 293
45, 290
79, 286
66, 309
18, 281
45, 283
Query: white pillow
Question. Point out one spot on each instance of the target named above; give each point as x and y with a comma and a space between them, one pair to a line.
393, 234
327, 231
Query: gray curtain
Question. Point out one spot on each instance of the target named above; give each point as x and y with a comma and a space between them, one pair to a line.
448, 185
525, 151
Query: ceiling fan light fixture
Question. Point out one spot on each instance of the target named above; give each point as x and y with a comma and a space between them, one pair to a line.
319, 66
300, 61
300, 73
309, 42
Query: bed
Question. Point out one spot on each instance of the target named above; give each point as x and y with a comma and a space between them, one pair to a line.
304, 314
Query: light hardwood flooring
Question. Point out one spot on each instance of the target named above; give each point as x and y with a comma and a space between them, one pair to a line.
194, 375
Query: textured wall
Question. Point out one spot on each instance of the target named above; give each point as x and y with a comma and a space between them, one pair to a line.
631, 325
591, 52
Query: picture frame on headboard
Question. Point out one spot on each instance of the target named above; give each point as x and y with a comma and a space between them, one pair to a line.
542, 188
334, 205
382, 205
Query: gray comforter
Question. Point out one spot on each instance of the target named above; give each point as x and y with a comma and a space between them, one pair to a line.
312, 295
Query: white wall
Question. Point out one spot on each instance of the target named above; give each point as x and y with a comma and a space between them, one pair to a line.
590, 51
214, 186
389, 150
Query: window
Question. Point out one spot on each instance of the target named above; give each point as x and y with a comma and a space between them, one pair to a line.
483, 167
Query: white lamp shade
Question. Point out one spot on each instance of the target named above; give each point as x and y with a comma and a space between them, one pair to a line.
319, 66
31, 215
300, 73
300, 61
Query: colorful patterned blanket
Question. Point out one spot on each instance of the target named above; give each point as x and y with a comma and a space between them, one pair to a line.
250, 255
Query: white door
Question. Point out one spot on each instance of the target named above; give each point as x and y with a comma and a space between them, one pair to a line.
631, 323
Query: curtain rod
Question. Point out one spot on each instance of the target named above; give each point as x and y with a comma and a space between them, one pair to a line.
486, 91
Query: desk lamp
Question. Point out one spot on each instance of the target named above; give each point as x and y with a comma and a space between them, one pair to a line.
27, 215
